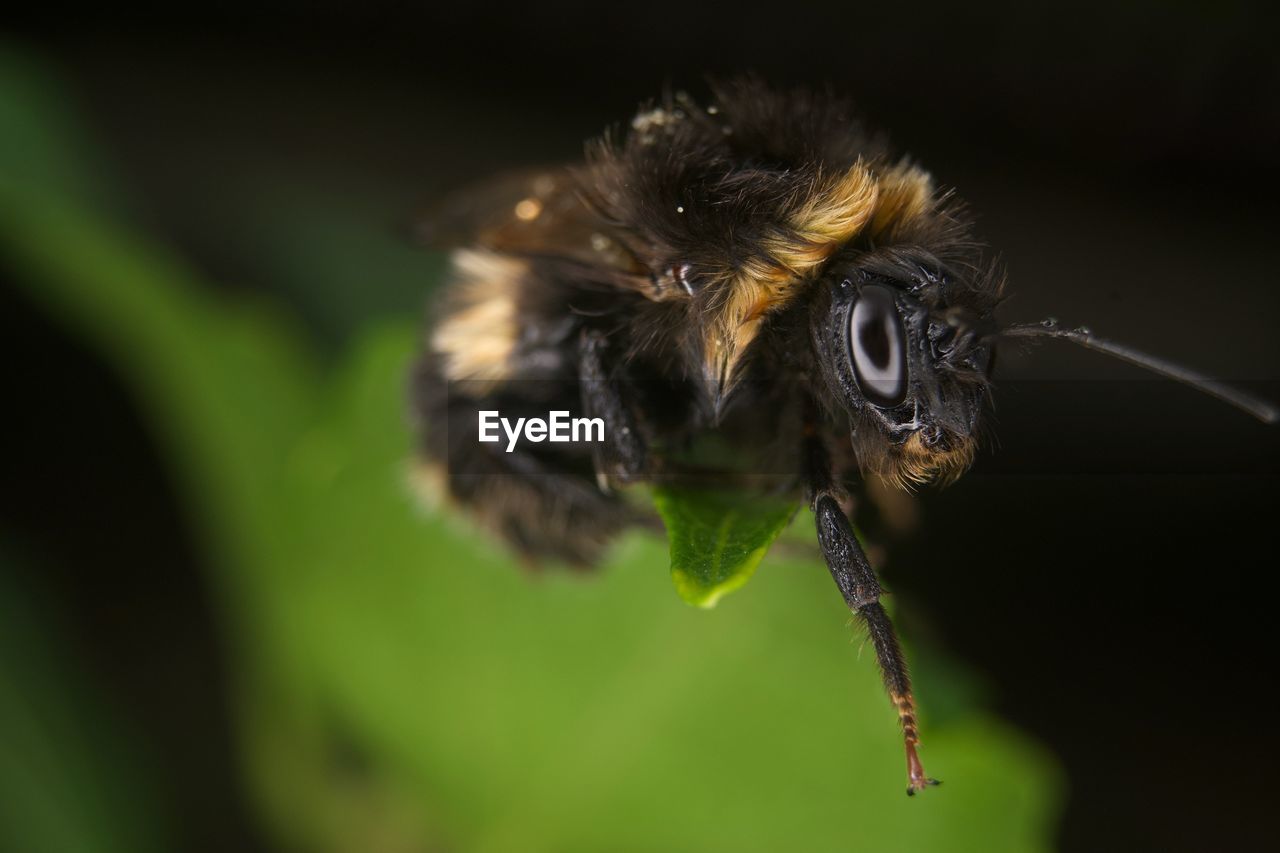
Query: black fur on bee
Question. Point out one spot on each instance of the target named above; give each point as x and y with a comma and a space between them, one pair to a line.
718, 249
761, 269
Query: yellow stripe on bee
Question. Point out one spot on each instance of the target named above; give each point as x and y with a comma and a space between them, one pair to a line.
817, 229
906, 194
478, 336
884, 206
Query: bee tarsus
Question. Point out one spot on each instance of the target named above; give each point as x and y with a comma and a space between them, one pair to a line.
861, 590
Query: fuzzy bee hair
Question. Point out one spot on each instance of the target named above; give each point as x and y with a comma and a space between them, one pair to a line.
691, 240
699, 241
734, 210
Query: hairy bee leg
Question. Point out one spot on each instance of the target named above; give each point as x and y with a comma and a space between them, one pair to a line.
857, 582
544, 510
623, 456
543, 502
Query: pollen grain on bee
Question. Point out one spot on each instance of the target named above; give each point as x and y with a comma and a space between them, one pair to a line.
558, 427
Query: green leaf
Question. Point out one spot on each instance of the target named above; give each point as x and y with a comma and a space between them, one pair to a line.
718, 538
71, 777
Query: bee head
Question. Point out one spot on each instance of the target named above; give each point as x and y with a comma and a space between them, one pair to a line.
906, 349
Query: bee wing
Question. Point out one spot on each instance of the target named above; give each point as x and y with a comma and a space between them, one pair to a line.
532, 212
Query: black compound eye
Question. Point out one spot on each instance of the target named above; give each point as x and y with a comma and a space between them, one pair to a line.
878, 347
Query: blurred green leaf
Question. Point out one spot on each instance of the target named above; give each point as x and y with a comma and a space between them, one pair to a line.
718, 538
404, 686
70, 779
42, 142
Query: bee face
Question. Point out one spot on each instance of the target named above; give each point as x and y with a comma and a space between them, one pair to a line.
907, 351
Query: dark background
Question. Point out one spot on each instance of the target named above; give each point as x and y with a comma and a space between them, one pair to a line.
1105, 562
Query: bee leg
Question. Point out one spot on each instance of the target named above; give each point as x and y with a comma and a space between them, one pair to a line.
623, 455
857, 582
543, 501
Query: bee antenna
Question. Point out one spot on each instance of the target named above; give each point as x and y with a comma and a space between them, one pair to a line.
1259, 408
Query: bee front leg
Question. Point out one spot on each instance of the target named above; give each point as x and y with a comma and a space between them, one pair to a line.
623, 456
856, 579
861, 590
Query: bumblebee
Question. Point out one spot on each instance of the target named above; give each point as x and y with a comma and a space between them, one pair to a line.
762, 270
